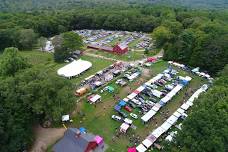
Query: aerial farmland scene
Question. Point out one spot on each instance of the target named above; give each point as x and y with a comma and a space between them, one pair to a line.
113, 76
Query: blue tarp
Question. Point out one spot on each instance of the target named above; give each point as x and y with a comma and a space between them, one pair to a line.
82, 130
122, 103
184, 82
117, 108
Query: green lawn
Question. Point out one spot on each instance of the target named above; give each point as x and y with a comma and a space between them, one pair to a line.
130, 56
46, 60
98, 119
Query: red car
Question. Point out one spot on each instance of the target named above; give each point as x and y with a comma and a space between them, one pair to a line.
127, 108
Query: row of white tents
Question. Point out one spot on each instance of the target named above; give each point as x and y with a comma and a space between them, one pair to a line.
195, 70
148, 142
164, 100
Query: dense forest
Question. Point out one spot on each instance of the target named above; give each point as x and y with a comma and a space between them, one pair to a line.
194, 37
206, 129
31, 5
29, 95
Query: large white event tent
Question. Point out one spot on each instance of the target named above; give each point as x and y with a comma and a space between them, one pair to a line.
74, 68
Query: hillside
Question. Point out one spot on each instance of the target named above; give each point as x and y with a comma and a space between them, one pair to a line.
29, 5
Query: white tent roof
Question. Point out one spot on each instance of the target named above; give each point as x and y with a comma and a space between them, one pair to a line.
157, 93
158, 105
158, 132
166, 126
180, 110
74, 68
126, 99
189, 103
172, 120
148, 115
155, 108
147, 143
177, 114
132, 96
95, 98
185, 106
154, 79
124, 127
65, 117
141, 148
140, 89
128, 121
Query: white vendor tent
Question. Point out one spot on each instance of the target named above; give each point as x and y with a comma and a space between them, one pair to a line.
147, 143
124, 127
148, 115
177, 114
132, 96
141, 148
157, 93
180, 110
95, 98
158, 132
140, 89
185, 106
166, 126
74, 68
65, 118
172, 119
155, 108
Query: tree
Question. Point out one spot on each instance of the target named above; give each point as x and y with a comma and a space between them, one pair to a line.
206, 128
65, 44
11, 62
162, 35
27, 38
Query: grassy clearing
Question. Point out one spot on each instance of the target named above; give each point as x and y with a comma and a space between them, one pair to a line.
46, 60
98, 119
130, 56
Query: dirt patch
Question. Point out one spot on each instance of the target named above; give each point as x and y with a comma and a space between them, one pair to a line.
46, 137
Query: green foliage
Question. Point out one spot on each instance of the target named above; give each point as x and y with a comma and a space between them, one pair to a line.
65, 44
27, 38
206, 128
11, 62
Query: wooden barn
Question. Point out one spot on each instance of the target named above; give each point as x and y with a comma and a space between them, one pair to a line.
120, 48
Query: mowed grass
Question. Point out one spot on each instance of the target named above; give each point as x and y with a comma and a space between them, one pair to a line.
45, 60
97, 119
130, 56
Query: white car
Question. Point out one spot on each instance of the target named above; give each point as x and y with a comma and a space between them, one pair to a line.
133, 115
117, 118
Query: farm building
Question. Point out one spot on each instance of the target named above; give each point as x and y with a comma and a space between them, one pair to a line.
75, 140
118, 49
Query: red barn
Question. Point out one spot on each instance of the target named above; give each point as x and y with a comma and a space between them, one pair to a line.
120, 48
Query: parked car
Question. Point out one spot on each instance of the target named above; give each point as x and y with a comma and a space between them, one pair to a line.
117, 118
127, 108
133, 115
123, 114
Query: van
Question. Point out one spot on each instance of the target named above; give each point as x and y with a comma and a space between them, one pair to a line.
81, 91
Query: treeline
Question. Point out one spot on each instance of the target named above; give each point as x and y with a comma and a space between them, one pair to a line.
193, 37
206, 128
28, 96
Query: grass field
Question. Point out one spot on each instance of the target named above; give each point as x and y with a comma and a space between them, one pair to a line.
98, 119
46, 60
130, 56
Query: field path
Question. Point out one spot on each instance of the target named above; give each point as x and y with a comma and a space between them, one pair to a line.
46, 137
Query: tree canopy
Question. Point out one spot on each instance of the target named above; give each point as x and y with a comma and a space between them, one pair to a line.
206, 128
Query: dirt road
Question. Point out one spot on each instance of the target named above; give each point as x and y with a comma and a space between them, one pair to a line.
46, 137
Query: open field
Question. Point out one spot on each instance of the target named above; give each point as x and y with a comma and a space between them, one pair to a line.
97, 119
46, 60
